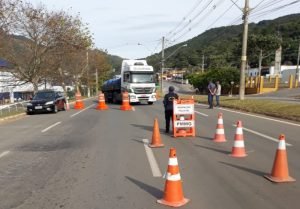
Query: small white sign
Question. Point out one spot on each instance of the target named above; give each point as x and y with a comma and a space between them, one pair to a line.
183, 123
183, 109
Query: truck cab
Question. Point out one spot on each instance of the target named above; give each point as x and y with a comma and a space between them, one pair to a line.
138, 79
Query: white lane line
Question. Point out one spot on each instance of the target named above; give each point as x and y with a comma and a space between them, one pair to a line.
257, 116
81, 111
201, 113
4, 153
263, 135
46, 129
152, 161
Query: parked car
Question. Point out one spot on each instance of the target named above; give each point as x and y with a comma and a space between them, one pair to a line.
46, 101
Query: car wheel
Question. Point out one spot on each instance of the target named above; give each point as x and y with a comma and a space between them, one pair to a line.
150, 103
55, 109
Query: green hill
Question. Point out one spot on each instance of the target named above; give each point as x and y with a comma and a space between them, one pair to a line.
221, 46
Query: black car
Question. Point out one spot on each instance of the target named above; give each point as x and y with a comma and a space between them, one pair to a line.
46, 101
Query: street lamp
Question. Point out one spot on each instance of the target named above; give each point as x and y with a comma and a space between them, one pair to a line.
164, 59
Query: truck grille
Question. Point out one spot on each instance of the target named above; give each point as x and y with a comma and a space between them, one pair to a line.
146, 90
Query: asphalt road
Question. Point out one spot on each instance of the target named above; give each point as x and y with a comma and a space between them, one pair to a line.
97, 160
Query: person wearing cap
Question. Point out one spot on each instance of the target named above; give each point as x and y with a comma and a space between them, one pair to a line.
168, 105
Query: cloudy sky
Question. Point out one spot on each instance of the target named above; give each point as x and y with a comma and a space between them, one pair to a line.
134, 28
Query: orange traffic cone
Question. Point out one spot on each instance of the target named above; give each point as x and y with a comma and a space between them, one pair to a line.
78, 103
156, 141
101, 104
173, 194
238, 149
280, 170
220, 133
125, 102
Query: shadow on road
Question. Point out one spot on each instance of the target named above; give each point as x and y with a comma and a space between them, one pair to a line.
213, 149
249, 170
150, 189
148, 128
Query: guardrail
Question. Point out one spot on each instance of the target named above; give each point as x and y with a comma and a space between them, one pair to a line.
12, 109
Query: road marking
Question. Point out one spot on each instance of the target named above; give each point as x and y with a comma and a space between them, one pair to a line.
257, 116
81, 111
263, 135
201, 113
4, 153
133, 109
152, 161
46, 129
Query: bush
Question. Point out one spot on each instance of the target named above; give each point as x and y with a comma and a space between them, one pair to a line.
225, 76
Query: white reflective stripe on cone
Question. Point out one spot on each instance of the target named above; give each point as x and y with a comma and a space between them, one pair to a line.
175, 177
239, 130
173, 161
239, 143
220, 121
219, 131
281, 145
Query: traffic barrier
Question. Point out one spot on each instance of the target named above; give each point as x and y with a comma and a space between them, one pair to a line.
280, 170
78, 103
220, 132
173, 193
183, 118
238, 149
156, 140
125, 102
101, 102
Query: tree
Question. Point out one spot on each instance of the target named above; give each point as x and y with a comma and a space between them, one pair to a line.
47, 38
7, 14
264, 44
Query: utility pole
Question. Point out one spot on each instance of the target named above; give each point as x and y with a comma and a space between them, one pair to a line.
244, 51
202, 63
87, 73
297, 69
259, 62
97, 84
162, 63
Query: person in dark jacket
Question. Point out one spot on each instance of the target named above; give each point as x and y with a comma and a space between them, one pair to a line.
168, 104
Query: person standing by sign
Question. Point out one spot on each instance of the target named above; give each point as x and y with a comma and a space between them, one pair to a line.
168, 105
211, 92
218, 93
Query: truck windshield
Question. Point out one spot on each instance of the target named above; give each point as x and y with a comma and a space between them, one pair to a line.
142, 78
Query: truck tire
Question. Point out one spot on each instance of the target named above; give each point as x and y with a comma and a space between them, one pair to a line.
114, 98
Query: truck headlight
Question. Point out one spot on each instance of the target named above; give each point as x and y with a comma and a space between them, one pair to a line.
29, 104
49, 103
132, 97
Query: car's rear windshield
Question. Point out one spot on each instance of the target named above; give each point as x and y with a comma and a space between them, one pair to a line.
44, 95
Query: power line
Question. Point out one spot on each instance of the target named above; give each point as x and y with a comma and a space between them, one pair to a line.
190, 21
184, 18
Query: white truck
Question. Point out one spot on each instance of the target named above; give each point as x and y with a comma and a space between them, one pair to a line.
137, 78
